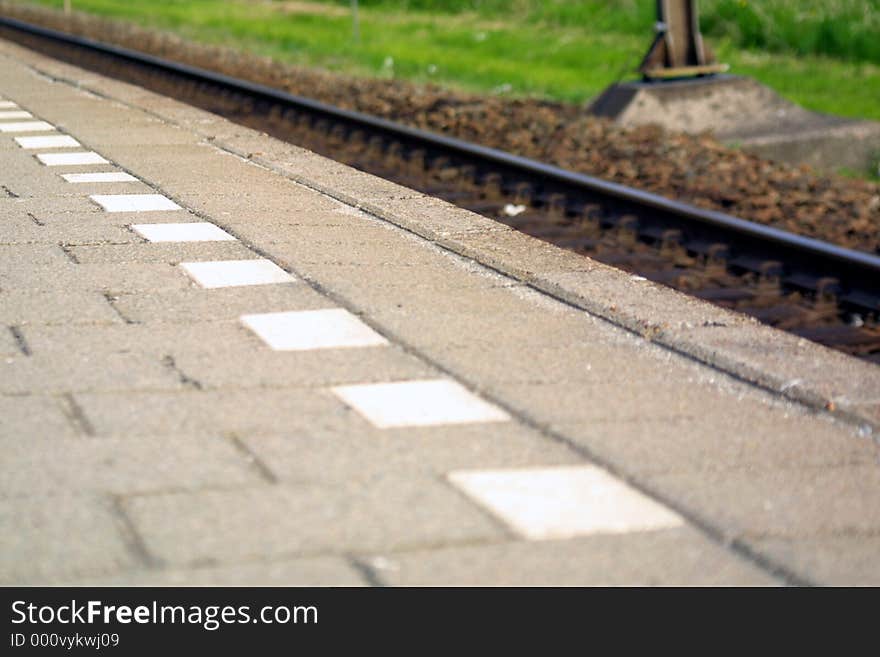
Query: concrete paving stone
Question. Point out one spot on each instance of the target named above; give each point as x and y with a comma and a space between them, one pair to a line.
433, 218
8, 344
85, 372
307, 571
225, 341
258, 411
677, 557
15, 257
369, 455
794, 361
597, 361
47, 539
122, 465
363, 247
649, 307
869, 411
25, 230
119, 220
282, 521
55, 307
145, 133
52, 185
196, 304
828, 560
253, 366
266, 197
171, 253
752, 436
115, 279
805, 502
361, 284
42, 206
24, 417
192, 163
560, 403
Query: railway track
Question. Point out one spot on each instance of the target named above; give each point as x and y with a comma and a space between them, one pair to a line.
814, 289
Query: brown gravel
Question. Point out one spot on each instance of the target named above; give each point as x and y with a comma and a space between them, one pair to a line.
697, 169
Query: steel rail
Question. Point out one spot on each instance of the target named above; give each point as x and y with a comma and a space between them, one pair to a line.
857, 272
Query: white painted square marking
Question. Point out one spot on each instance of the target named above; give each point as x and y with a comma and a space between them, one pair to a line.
189, 232
26, 126
312, 329
233, 273
107, 177
70, 159
134, 202
59, 141
7, 104
15, 114
418, 404
562, 502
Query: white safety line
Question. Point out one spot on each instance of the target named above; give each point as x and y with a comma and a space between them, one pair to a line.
102, 177
15, 114
134, 202
234, 273
312, 329
70, 159
183, 232
564, 502
418, 404
27, 126
55, 141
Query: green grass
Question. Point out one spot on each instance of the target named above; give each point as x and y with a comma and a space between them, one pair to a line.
554, 49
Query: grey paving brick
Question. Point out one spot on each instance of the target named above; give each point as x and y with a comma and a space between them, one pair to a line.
48, 539
72, 231
199, 412
55, 307
85, 372
197, 304
781, 503
557, 403
113, 278
255, 365
752, 436
371, 455
59, 466
160, 252
829, 560
221, 339
40, 205
657, 558
23, 417
8, 343
278, 521
16, 258
308, 571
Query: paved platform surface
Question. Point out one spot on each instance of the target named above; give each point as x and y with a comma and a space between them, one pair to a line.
246, 364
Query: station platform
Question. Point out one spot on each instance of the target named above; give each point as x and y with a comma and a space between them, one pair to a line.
229, 361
